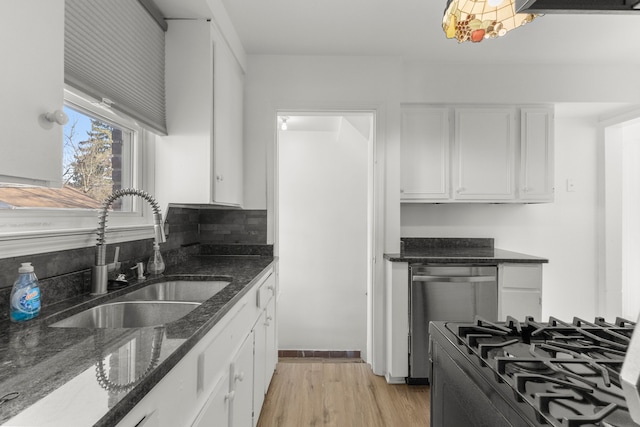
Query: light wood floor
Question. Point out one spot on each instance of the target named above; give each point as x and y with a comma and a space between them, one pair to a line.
340, 393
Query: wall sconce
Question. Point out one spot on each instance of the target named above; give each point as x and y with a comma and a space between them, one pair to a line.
283, 125
58, 116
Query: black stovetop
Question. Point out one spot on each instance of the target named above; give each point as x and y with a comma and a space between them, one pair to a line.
569, 373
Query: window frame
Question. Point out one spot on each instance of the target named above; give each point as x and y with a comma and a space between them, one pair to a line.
33, 231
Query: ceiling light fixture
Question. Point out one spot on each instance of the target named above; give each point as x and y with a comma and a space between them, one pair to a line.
476, 20
283, 126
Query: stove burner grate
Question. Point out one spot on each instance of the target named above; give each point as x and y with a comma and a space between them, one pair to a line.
569, 373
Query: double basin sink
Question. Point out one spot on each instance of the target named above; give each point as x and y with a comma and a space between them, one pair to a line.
153, 305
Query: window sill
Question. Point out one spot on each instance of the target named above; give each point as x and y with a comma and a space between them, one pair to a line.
28, 243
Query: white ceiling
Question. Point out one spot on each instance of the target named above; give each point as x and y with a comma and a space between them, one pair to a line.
413, 29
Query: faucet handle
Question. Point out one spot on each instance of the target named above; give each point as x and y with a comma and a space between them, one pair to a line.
115, 265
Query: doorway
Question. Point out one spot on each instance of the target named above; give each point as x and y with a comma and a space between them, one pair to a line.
620, 294
324, 231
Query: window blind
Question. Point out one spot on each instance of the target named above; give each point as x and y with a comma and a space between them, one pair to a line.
114, 50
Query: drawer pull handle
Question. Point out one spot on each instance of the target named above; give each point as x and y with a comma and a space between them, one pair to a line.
229, 396
239, 376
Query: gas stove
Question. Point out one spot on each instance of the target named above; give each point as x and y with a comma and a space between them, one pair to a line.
529, 373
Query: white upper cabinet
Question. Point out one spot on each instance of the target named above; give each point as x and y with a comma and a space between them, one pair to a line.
484, 145
476, 154
228, 89
536, 154
200, 161
32, 52
425, 153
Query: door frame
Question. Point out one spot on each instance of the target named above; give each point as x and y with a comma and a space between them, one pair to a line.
609, 301
374, 339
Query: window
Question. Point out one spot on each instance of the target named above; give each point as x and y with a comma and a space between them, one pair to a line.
97, 157
103, 151
97, 160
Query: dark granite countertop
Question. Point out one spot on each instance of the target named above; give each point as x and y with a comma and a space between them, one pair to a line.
55, 370
456, 251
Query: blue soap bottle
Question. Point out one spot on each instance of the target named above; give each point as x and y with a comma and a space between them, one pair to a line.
25, 295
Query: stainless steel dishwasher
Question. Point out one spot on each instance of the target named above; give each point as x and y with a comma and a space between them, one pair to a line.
446, 292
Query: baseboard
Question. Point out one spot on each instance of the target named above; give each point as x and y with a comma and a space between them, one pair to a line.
394, 380
324, 354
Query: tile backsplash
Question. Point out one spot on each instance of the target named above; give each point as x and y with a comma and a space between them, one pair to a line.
67, 273
233, 227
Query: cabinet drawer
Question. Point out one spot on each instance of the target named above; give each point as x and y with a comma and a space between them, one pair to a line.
521, 276
266, 290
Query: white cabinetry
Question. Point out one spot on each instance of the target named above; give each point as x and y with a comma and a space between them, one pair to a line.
476, 154
242, 384
425, 153
265, 348
200, 161
519, 291
397, 320
32, 52
483, 166
536, 154
170, 402
216, 381
216, 410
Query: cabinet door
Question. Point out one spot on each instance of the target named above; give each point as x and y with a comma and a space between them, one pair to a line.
241, 377
32, 81
520, 303
200, 161
228, 81
216, 410
519, 291
536, 154
484, 154
424, 151
260, 356
184, 158
271, 342
397, 320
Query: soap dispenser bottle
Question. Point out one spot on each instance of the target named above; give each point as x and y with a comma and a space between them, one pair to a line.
25, 295
155, 264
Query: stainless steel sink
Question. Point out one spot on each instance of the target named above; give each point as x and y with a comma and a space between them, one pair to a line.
177, 290
128, 314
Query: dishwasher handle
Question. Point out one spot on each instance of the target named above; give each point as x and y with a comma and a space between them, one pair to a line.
454, 279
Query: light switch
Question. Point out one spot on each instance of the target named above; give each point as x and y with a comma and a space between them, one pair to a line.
571, 187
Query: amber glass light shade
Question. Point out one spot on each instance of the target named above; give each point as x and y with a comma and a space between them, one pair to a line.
476, 20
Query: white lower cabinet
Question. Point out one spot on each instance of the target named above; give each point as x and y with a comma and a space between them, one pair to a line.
265, 348
271, 358
397, 321
519, 291
242, 385
216, 411
231, 400
170, 402
217, 383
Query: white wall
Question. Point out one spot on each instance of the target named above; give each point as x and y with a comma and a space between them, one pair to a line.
323, 240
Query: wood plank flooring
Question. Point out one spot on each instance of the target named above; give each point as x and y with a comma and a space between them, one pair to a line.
340, 393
